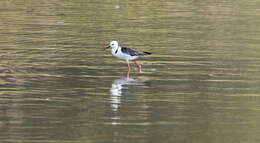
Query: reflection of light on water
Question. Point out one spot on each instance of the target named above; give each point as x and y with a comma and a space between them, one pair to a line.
115, 122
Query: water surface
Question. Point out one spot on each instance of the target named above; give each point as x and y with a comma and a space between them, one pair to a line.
200, 85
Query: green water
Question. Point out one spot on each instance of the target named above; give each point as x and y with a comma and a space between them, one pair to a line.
59, 85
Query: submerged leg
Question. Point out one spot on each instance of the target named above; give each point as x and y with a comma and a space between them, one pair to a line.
139, 67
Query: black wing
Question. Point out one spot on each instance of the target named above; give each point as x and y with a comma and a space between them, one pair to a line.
133, 52
129, 51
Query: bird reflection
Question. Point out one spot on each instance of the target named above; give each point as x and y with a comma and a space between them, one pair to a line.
119, 86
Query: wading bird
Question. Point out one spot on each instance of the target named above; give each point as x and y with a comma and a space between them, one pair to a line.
127, 54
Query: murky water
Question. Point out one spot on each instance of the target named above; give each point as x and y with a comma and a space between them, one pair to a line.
58, 84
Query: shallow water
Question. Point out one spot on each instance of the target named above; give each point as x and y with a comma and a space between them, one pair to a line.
201, 84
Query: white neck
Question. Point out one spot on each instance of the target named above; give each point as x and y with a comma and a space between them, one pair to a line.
114, 49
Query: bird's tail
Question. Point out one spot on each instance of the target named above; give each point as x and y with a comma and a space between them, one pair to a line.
145, 53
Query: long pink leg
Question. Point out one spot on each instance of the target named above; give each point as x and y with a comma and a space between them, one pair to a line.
139, 67
129, 67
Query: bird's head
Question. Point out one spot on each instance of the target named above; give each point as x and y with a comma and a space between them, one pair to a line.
113, 44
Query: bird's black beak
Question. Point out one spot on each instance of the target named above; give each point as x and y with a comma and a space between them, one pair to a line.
108, 47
